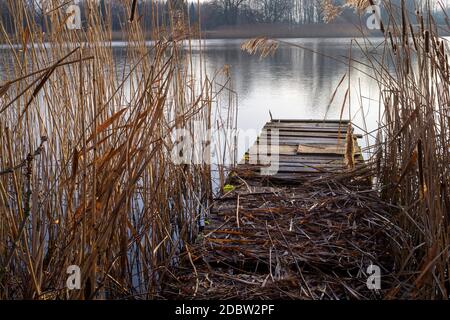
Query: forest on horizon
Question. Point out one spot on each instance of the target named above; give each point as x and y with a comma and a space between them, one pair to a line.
209, 14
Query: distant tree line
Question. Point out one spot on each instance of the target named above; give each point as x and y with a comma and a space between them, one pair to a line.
213, 13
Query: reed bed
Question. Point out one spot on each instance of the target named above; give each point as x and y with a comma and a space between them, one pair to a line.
409, 203
412, 154
410, 158
283, 239
87, 174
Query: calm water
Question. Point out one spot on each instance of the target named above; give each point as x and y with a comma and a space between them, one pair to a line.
294, 83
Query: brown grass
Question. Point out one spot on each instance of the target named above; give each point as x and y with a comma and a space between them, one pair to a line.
101, 191
412, 157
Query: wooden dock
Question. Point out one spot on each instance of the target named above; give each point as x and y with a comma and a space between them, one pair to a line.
300, 231
303, 147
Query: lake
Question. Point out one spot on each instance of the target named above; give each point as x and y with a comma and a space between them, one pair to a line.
294, 83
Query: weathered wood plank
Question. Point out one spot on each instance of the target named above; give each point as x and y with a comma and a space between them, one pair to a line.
283, 170
293, 140
294, 150
295, 162
333, 127
311, 121
309, 133
264, 149
320, 149
290, 155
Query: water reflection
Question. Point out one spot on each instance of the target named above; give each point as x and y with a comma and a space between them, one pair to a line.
295, 83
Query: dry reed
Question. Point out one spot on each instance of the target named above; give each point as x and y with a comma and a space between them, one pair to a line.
103, 191
410, 159
411, 156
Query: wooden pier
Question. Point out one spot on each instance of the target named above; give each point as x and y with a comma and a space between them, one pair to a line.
303, 147
308, 229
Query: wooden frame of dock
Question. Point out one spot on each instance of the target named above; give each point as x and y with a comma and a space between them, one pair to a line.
308, 229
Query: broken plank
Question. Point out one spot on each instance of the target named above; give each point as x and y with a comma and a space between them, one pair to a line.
323, 149
308, 133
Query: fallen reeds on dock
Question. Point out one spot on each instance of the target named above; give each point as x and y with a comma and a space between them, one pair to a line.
103, 193
410, 157
304, 232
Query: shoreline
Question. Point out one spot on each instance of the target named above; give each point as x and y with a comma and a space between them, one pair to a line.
321, 31
288, 31
270, 31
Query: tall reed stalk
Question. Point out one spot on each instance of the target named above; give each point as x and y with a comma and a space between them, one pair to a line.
87, 175
412, 154
410, 158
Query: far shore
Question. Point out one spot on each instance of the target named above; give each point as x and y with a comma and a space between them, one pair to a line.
288, 31
335, 30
